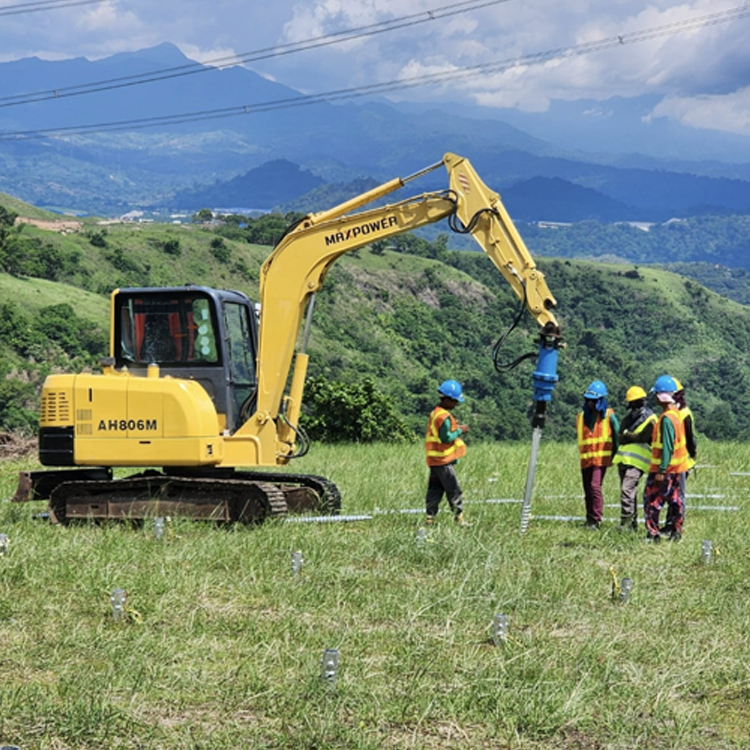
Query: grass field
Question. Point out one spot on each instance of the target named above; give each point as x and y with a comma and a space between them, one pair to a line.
222, 645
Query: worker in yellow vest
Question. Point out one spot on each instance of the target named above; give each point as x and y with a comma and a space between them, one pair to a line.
444, 447
633, 456
669, 460
597, 428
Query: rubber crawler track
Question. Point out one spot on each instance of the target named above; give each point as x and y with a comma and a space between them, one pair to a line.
329, 497
147, 496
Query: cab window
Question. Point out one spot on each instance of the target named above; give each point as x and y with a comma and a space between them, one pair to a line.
166, 329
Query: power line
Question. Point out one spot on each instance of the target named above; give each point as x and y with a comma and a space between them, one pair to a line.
496, 66
338, 37
36, 7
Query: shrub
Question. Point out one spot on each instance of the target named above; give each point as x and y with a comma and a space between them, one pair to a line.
220, 251
338, 412
98, 239
172, 247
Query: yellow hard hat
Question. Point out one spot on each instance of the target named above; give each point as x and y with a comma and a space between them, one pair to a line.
635, 392
678, 384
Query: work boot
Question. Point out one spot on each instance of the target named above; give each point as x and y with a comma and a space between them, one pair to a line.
628, 523
460, 520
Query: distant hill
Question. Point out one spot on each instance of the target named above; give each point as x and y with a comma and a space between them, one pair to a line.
663, 196
204, 160
555, 199
264, 187
720, 240
618, 131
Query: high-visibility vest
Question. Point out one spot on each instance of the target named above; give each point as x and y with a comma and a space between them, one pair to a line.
636, 454
684, 413
440, 454
678, 463
595, 446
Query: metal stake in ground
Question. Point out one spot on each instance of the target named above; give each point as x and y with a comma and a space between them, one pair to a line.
500, 629
118, 599
536, 436
544, 378
329, 666
297, 563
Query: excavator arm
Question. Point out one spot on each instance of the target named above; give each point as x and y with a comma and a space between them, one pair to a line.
297, 267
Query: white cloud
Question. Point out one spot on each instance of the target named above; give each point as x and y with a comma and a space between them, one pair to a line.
706, 65
212, 57
104, 17
729, 112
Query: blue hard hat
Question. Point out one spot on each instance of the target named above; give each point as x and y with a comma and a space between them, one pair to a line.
596, 390
665, 384
451, 389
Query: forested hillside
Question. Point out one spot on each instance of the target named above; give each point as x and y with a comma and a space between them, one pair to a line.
395, 318
713, 250
712, 239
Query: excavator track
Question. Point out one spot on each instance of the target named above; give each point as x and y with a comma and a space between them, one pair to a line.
302, 492
234, 500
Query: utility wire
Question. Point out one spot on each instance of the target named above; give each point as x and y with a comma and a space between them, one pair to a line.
586, 48
338, 37
36, 7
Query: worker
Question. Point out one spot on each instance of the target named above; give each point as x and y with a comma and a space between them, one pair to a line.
686, 415
633, 456
597, 428
669, 459
444, 447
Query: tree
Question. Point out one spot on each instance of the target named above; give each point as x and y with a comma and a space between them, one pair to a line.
220, 251
98, 239
7, 219
203, 216
338, 412
172, 247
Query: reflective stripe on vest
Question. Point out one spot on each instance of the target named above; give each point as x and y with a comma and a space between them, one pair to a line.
636, 454
595, 446
684, 414
678, 463
440, 454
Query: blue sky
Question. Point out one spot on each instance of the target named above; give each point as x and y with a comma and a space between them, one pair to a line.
702, 74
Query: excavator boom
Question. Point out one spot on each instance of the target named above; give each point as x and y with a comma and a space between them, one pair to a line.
297, 267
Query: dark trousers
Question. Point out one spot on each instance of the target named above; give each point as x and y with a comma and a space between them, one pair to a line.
443, 481
592, 477
656, 496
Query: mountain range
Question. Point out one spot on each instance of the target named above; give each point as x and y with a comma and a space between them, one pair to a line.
237, 139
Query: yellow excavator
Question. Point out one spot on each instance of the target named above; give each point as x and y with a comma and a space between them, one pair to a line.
196, 386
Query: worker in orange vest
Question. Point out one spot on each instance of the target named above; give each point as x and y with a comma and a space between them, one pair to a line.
444, 447
686, 415
597, 428
669, 461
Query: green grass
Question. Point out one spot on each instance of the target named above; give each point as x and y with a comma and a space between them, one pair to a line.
26, 209
226, 649
32, 294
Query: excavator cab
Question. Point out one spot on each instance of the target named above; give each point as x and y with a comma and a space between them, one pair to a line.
195, 333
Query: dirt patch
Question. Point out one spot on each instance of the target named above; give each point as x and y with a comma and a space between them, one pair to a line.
16, 446
55, 225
